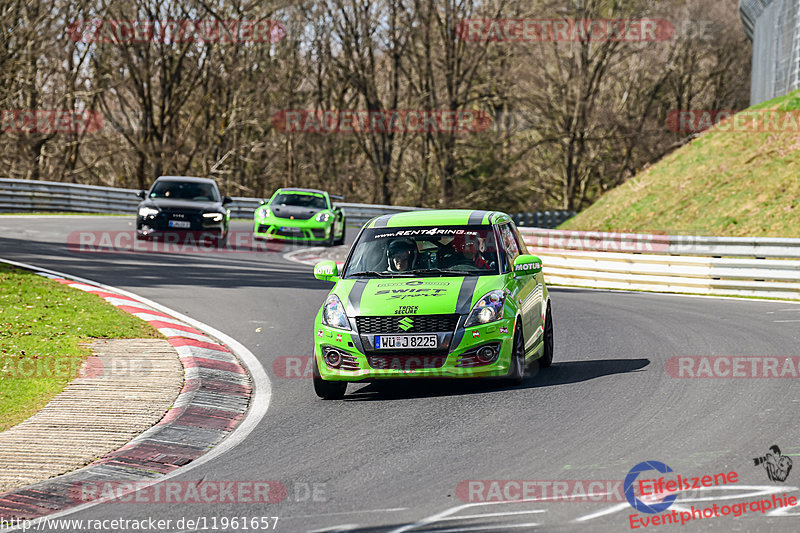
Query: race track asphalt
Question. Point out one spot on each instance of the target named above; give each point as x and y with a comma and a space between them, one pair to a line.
398, 457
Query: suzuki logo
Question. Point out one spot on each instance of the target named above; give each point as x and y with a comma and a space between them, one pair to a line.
406, 324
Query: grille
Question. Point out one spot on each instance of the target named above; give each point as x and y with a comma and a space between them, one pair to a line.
299, 234
371, 325
262, 228
405, 362
318, 233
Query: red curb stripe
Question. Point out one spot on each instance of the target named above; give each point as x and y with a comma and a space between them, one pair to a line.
158, 324
212, 364
104, 294
183, 341
136, 310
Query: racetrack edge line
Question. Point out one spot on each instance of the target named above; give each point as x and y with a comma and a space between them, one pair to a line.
259, 403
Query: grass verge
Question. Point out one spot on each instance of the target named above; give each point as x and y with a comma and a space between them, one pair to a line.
42, 327
724, 182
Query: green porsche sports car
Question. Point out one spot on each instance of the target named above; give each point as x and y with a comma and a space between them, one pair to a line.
449, 293
300, 214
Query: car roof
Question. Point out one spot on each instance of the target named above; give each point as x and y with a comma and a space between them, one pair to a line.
439, 217
194, 179
304, 191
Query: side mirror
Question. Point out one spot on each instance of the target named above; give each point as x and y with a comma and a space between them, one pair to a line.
262, 202
227, 200
141, 194
525, 265
327, 270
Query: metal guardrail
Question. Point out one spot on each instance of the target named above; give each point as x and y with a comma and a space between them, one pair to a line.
733, 266
768, 267
20, 196
50, 196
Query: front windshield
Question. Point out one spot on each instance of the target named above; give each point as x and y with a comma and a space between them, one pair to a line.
184, 190
303, 200
424, 251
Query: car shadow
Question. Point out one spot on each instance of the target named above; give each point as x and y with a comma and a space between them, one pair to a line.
557, 375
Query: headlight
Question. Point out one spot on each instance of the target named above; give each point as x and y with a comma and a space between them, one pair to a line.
264, 212
147, 212
487, 309
214, 217
322, 217
333, 313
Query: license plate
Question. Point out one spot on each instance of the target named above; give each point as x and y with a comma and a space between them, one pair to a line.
180, 224
405, 342
291, 230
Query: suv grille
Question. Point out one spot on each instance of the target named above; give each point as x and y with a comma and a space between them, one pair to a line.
371, 325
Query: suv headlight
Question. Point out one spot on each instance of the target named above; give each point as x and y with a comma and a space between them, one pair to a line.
264, 212
214, 217
333, 314
322, 217
487, 309
147, 212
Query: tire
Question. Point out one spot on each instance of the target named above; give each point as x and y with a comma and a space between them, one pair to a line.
516, 374
547, 358
340, 240
331, 238
328, 390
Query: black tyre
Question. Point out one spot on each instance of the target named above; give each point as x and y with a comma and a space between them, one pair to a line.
340, 240
516, 374
547, 359
328, 390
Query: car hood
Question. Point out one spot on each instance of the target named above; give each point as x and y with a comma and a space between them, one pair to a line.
401, 296
185, 206
296, 211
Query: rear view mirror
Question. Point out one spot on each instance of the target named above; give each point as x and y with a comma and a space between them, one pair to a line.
141, 194
526, 264
326, 270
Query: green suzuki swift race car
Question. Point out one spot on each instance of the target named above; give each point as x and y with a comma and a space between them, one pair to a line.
300, 215
449, 293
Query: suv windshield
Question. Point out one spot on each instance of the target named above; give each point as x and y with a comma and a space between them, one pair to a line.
184, 190
303, 200
424, 252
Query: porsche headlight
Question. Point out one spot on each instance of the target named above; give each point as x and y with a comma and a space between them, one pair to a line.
322, 217
487, 309
147, 212
264, 212
214, 217
333, 313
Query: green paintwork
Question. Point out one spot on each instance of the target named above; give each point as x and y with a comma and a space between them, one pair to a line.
306, 226
408, 298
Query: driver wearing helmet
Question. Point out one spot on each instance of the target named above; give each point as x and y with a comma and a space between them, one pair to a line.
402, 255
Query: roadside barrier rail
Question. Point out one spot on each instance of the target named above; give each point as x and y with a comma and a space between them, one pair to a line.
738, 266
732, 266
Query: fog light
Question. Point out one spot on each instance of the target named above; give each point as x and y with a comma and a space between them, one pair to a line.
487, 354
333, 358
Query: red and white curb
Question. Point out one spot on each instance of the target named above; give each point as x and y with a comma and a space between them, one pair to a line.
309, 256
225, 394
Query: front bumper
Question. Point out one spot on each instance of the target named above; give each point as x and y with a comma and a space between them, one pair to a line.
151, 226
367, 364
295, 230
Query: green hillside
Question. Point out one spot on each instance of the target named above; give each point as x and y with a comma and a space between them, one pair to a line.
722, 183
